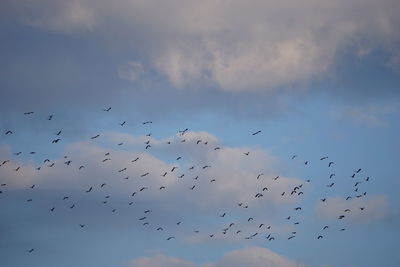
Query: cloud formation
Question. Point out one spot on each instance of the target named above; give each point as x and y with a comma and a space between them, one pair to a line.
250, 46
251, 257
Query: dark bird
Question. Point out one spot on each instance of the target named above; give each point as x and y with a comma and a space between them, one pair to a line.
323, 158
29, 200
330, 185
165, 173
181, 176
330, 176
217, 148
294, 156
246, 153
81, 167
94, 137
73, 206
212, 180
323, 199
143, 218
107, 109
298, 208
173, 168
55, 141
52, 209
171, 237
9, 132
162, 187
31, 250
265, 189
124, 169
146, 122
135, 159
325, 227
258, 176
123, 123
178, 158
50, 117
330, 163
290, 237
276, 178
144, 174
159, 229
64, 198
249, 219
147, 146
58, 133
319, 237
256, 133
28, 113
191, 188
223, 215
143, 188
183, 131
32, 186
89, 190
305, 162
206, 166
81, 225
358, 170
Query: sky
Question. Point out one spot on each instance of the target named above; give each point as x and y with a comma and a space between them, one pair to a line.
199, 133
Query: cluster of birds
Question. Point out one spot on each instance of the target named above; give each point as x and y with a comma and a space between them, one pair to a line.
262, 229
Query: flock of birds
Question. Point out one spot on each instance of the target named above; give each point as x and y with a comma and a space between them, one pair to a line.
263, 229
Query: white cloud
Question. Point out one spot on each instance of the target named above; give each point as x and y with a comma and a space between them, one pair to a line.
375, 208
250, 257
237, 46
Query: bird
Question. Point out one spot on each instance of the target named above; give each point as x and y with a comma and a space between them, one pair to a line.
330, 185
123, 123
171, 237
50, 117
330, 176
146, 122
256, 132
94, 137
136, 159
174, 168
81, 225
319, 237
55, 141
107, 109
294, 156
89, 190
8, 132
59, 132
247, 153
258, 176
323, 158
144, 174
276, 178
162, 187
330, 163
31, 250
28, 113
223, 215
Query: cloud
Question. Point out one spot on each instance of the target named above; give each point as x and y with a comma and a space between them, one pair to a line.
376, 208
249, 46
231, 178
251, 257
132, 71
370, 115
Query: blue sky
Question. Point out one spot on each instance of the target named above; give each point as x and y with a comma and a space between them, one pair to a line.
316, 78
